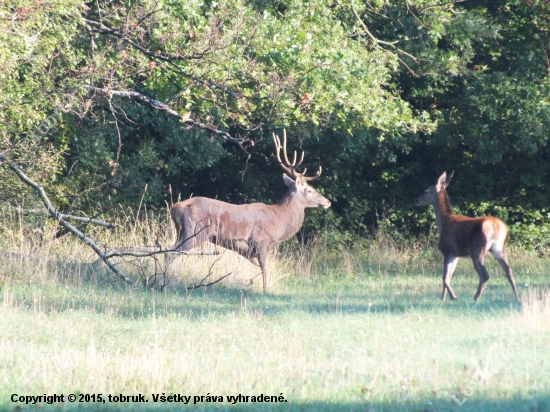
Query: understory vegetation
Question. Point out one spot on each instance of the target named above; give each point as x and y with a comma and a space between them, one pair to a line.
360, 329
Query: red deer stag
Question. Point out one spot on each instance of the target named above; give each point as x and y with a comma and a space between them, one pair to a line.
251, 230
461, 236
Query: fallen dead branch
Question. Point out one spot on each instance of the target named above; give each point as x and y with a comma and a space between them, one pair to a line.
136, 252
148, 251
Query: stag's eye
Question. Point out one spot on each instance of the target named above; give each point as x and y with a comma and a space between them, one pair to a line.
426, 192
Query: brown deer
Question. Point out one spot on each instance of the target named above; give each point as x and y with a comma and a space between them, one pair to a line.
254, 229
461, 236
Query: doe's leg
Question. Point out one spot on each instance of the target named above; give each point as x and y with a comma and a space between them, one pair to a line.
502, 258
479, 264
450, 266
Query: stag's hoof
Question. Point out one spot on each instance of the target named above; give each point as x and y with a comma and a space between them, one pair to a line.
454, 298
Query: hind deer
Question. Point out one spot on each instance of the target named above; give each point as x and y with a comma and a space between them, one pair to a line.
461, 236
254, 229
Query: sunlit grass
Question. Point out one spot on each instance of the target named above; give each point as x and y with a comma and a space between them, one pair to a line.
341, 330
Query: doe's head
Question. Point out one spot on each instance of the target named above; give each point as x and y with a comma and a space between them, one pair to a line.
430, 194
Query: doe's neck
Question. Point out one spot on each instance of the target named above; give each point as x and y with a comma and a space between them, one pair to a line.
442, 208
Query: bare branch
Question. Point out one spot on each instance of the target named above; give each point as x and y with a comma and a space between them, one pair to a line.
374, 39
122, 251
392, 44
405, 64
152, 251
101, 28
156, 104
407, 54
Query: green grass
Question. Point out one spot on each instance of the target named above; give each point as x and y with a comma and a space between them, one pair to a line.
348, 331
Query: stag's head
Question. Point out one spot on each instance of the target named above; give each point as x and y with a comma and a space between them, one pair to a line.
297, 182
430, 194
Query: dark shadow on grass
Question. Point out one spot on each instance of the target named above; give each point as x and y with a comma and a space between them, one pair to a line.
103, 294
126, 302
342, 299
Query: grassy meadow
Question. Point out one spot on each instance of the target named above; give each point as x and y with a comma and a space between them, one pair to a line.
359, 329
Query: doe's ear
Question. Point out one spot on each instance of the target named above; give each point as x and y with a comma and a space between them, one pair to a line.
444, 180
287, 179
449, 177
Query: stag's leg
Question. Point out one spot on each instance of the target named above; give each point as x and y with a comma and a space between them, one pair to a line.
479, 264
502, 258
257, 255
264, 264
187, 239
450, 266
250, 254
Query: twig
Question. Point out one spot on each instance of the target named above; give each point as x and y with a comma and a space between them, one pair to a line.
89, 220
139, 207
201, 284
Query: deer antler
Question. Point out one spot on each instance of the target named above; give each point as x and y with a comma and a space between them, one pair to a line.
286, 165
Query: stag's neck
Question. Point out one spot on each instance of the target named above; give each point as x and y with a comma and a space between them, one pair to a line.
442, 208
291, 213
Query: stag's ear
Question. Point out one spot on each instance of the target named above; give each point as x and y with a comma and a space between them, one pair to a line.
288, 180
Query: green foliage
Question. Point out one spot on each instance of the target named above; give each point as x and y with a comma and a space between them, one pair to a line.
384, 95
34, 56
